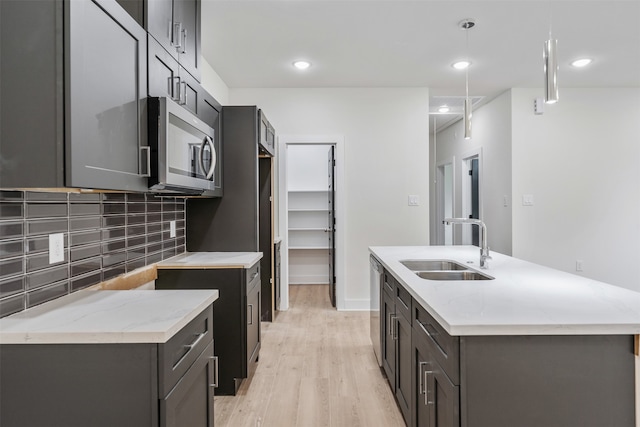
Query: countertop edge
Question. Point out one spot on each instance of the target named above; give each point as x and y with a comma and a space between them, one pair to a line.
108, 337
531, 329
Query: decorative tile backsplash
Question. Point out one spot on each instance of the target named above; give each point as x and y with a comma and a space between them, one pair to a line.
105, 235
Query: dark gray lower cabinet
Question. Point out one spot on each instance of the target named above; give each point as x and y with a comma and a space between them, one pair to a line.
106, 385
396, 347
237, 315
502, 381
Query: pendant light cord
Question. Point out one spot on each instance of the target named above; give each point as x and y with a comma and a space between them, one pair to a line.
466, 70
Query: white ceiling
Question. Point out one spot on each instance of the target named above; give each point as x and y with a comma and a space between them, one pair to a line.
398, 43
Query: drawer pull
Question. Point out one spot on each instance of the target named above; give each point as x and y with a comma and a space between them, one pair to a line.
250, 322
197, 340
432, 336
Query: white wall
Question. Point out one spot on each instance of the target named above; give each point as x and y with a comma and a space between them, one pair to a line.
386, 133
491, 134
307, 167
213, 84
580, 161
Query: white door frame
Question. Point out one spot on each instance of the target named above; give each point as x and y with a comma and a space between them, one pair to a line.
440, 196
283, 219
465, 165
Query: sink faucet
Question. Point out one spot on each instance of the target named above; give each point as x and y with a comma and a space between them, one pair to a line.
484, 249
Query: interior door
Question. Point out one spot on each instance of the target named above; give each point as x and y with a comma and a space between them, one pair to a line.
331, 226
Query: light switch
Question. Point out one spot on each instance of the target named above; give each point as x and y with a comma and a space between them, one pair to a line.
527, 200
414, 200
172, 229
56, 248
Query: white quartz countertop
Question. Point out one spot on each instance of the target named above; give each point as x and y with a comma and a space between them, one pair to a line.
88, 317
211, 260
524, 298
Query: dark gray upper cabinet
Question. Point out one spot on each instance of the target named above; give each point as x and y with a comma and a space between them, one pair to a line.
73, 105
167, 78
175, 24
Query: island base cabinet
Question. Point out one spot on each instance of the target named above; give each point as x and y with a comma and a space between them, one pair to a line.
551, 381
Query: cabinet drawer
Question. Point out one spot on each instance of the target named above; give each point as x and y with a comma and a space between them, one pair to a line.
252, 276
403, 302
444, 347
178, 354
389, 284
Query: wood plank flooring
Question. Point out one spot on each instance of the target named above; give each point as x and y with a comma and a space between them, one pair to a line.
316, 368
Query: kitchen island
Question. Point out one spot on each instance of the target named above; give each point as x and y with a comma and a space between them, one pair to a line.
529, 346
110, 358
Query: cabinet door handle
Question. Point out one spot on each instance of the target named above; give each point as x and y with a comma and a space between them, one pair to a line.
421, 378
183, 93
175, 91
184, 41
390, 323
394, 322
215, 371
427, 375
145, 161
250, 315
177, 32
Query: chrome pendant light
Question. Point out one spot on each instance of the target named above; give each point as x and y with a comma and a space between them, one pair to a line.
550, 71
466, 25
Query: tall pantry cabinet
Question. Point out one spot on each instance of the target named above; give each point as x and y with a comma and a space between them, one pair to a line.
242, 220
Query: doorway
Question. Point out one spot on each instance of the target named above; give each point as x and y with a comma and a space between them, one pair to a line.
310, 214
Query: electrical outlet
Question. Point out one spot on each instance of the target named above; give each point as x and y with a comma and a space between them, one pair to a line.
414, 200
56, 248
579, 265
527, 200
172, 229
505, 200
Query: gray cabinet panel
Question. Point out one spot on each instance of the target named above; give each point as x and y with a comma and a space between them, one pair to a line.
175, 24
101, 385
106, 83
190, 403
551, 381
163, 72
187, 12
160, 22
73, 95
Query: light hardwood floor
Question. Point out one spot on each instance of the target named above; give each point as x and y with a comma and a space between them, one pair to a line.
316, 368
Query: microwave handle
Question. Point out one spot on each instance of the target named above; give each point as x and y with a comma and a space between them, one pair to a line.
208, 141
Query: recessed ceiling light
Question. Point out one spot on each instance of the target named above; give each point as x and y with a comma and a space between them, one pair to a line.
302, 65
461, 65
583, 62
443, 109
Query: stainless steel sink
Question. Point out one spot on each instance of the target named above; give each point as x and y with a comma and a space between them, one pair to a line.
432, 265
453, 275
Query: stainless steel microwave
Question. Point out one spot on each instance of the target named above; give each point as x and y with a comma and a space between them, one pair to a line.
185, 151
